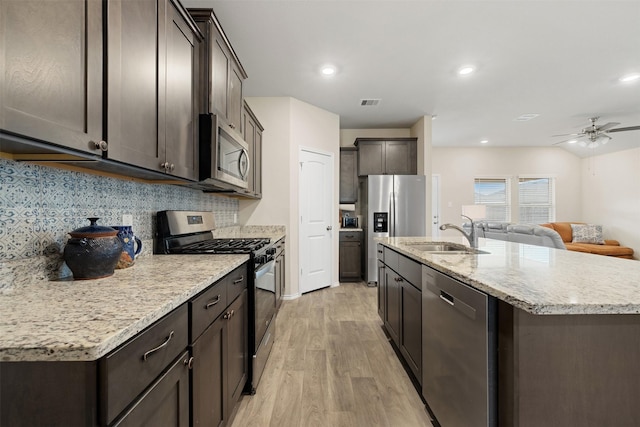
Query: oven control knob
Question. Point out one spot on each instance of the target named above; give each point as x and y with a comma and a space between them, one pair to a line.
271, 251
261, 259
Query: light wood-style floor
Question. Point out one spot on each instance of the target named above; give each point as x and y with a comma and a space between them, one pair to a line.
332, 365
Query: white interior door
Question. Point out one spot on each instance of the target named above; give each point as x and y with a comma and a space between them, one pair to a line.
316, 225
435, 205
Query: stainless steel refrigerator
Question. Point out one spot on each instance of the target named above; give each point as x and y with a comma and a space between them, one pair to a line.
391, 206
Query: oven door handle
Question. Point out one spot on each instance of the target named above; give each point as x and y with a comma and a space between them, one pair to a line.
264, 269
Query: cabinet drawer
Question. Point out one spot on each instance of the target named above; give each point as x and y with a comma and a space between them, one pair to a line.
206, 307
410, 270
350, 236
129, 370
391, 258
380, 252
236, 282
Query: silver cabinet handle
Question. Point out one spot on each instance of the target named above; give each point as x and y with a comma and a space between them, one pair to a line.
101, 145
212, 303
188, 362
153, 350
446, 298
240, 280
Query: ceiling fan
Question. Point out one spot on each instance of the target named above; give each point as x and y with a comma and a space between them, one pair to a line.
595, 135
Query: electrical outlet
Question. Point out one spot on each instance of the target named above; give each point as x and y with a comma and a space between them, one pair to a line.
127, 219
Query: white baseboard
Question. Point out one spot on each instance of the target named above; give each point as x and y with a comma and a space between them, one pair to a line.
290, 297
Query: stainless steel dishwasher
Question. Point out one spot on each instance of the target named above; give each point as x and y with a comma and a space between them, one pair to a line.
459, 352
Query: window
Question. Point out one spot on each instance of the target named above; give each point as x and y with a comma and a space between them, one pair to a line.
494, 194
537, 200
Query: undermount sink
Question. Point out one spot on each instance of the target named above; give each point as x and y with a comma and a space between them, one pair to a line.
443, 248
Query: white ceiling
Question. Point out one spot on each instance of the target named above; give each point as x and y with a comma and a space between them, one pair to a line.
558, 59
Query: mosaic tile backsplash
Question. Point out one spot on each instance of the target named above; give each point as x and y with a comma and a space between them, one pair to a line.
39, 205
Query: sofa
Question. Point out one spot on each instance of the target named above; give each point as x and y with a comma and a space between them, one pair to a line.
608, 247
519, 233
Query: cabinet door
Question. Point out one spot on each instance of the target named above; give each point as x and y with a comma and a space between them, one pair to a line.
350, 261
411, 329
52, 90
237, 347
208, 379
394, 296
371, 158
249, 128
220, 59
181, 104
400, 158
382, 290
257, 164
136, 53
165, 403
234, 103
348, 176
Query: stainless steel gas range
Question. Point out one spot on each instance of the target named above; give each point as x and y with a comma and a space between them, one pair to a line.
189, 232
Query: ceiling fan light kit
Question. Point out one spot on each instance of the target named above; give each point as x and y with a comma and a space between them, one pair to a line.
594, 135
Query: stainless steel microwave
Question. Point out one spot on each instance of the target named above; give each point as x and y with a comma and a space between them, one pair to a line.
224, 156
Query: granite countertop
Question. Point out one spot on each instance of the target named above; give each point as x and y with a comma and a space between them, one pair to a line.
346, 230
537, 279
86, 319
273, 232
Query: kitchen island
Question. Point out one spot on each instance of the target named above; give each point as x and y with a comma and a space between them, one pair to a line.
566, 334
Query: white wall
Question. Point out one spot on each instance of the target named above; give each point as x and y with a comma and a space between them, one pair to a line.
458, 167
288, 125
348, 136
611, 195
422, 131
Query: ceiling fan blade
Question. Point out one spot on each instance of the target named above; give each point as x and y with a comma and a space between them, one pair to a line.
569, 134
566, 140
624, 129
607, 126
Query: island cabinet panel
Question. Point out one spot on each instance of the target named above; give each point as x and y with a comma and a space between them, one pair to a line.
152, 90
568, 370
388, 156
400, 305
52, 90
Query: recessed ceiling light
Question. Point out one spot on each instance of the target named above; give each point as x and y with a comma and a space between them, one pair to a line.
328, 70
525, 117
573, 141
629, 78
484, 141
467, 69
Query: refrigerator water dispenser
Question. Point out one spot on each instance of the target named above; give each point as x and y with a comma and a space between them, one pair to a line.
380, 222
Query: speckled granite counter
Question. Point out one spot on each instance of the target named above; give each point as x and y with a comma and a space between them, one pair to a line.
273, 232
537, 279
84, 320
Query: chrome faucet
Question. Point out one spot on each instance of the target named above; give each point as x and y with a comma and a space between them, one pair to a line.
472, 236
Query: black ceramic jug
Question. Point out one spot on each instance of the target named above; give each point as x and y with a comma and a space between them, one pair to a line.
93, 251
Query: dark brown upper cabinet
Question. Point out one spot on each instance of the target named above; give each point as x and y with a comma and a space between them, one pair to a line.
51, 60
252, 133
221, 74
348, 175
136, 103
153, 86
387, 156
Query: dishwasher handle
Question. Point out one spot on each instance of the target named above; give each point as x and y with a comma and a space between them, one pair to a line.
454, 302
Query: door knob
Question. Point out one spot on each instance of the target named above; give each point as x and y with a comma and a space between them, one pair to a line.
329, 228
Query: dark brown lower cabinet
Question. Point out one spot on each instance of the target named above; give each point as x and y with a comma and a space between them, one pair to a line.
165, 403
350, 247
394, 295
411, 328
220, 366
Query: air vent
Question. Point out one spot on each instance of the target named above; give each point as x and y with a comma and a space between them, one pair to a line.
369, 102
525, 117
